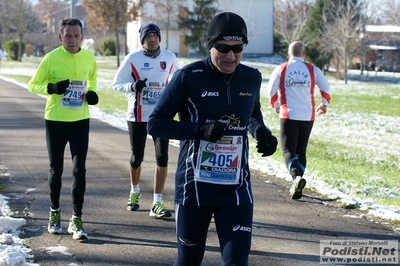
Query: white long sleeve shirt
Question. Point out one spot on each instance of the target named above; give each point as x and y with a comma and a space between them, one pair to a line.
291, 88
137, 66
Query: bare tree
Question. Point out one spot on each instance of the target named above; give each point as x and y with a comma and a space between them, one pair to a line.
5, 17
290, 19
46, 10
165, 15
340, 36
367, 17
23, 17
111, 15
391, 11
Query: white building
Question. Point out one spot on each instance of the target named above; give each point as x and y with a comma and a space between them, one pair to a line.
258, 15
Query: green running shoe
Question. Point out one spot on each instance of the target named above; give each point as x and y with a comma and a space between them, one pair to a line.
133, 202
76, 229
54, 226
158, 210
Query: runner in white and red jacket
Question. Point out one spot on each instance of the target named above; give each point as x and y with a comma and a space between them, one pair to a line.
291, 91
143, 75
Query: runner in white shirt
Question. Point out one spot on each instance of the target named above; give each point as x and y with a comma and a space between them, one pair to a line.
144, 75
291, 92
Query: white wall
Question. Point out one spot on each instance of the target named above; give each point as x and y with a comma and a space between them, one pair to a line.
173, 40
259, 18
132, 36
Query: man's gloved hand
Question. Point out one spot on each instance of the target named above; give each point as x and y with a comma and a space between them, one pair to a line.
92, 98
58, 88
138, 85
266, 142
213, 131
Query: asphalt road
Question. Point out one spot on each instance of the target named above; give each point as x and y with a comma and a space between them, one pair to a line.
285, 231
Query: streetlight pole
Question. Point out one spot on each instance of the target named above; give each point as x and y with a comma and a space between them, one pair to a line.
72, 13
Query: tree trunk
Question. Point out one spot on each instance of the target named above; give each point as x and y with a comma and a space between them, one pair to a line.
345, 61
117, 46
20, 49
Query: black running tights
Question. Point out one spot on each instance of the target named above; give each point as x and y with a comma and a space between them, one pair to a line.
58, 134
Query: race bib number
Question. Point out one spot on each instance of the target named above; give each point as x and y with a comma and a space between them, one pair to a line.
74, 96
150, 95
219, 163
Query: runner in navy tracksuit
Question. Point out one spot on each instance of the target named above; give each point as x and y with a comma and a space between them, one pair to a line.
217, 100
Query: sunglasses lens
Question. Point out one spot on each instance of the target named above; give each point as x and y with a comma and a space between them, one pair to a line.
237, 48
224, 48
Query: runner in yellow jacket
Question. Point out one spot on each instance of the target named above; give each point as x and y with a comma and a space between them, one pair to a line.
60, 65
67, 76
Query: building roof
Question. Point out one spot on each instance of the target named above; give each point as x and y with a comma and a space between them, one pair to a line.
384, 47
382, 28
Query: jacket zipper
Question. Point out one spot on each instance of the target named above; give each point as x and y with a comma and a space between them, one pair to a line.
228, 87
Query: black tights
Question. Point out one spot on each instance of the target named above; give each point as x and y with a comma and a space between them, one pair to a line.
294, 140
58, 134
234, 227
137, 137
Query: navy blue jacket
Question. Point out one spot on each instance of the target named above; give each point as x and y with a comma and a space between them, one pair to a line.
200, 94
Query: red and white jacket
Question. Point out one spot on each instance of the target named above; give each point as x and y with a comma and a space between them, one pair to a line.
291, 88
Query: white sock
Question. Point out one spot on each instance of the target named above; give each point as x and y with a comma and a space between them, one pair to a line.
135, 188
157, 198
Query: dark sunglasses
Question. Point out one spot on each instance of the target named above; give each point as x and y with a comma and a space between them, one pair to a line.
225, 48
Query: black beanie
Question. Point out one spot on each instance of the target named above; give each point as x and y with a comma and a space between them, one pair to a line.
148, 28
226, 26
